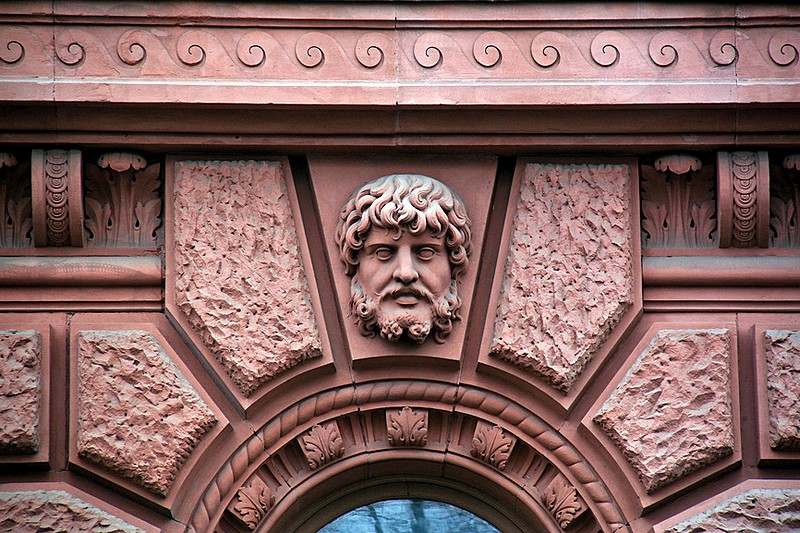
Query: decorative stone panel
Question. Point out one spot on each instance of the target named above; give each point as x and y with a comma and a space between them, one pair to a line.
773, 510
672, 414
56, 510
239, 278
15, 202
569, 271
783, 388
20, 391
138, 416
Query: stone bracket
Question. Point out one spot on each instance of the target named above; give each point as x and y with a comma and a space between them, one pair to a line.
743, 199
56, 186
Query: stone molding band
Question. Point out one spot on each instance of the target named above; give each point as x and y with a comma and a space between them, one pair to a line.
80, 271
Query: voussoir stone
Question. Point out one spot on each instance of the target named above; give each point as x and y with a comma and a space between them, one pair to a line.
20, 391
138, 416
756, 510
783, 388
671, 414
569, 271
55, 510
239, 277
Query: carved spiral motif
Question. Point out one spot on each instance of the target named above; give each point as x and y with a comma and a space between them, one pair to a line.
369, 49
129, 48
190, 49
662, 52
71, 54
427, 55
485, 50
15, 52
722, 48
783, 47
744, 198
308, 52
57, 208
544, 53
603, 51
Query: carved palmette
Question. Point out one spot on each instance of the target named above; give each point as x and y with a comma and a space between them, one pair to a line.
322, 444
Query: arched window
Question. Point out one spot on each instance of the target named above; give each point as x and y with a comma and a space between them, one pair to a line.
409, 516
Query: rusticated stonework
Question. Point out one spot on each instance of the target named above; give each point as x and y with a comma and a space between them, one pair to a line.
671, 414
239, 278
138, 416
773, 510
20, 391
783, 388
55, 510
569, 272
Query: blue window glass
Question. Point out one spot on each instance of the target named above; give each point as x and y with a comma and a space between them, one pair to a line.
409, 516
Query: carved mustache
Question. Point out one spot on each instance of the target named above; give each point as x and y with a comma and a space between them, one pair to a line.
396, 291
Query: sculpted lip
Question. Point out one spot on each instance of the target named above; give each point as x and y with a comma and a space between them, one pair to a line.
407, 296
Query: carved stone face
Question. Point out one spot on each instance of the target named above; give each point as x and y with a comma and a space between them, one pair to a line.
406, 275
405, 240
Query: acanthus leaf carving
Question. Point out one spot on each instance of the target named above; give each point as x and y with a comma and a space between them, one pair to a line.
253, 502
561, 500
123, 208
322, 444
407, 427
491, 445
784, 203
678, 209
16, 218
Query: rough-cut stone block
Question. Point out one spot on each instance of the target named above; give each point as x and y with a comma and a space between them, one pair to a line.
55, 510
569, 272
772, 510
671, 414
138, 416
783, 388
239, 279
20, 391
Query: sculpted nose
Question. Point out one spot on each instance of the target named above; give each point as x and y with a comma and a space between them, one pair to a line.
405, 271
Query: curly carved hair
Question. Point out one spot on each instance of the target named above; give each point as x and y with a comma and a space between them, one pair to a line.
405, 202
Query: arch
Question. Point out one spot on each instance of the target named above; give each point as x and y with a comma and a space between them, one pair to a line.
470, 443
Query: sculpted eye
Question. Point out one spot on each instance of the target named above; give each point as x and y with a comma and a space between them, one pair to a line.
426, 253
384, 254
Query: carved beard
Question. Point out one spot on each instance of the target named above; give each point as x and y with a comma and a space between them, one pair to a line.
416, 326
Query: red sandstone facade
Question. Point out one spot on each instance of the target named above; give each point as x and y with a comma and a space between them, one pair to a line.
177, 348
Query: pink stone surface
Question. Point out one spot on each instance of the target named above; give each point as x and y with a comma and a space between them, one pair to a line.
138, 416
772, 510
569, 272
671, 414
239, 278
20, 391
55, 510
783, 388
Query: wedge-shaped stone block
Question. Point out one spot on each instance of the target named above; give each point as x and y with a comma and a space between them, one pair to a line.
773, 510
20, 391
239, 278
783, 388
56, 510
138, 416
569, 272
671, 414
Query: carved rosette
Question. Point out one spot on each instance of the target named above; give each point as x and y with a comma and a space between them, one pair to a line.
322, 444
562, 501
491, 445
743, 183
123, 201
406, 427
678, 207
57, 198
253, 501
16, 219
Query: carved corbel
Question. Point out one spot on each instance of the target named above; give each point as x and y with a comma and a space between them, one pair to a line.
253, 501
743, 199
57, 198
678, 203
322, 444
407, 427
491, 445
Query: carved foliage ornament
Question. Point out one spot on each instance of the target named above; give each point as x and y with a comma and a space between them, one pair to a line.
405, 238
784, 204
253, 501
491, 445
561, 500
123, 204
407, 427
16, 219
322, 444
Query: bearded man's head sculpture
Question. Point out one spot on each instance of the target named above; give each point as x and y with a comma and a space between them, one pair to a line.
405, 241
